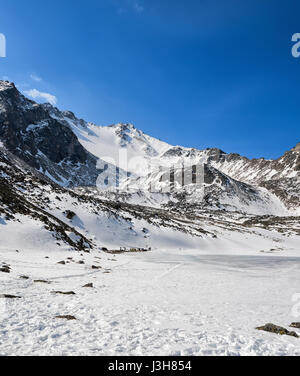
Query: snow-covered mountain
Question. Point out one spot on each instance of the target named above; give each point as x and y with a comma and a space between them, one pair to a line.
232, 182
52, 163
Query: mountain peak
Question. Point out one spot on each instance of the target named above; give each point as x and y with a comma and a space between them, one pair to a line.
124, 126
5, 85
215, 151
297, 148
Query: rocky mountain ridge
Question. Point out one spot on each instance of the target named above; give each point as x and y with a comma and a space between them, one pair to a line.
77, 154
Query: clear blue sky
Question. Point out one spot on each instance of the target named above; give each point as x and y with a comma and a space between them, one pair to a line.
199, 73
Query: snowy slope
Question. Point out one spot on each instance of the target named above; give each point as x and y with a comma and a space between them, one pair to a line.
121, 144
26, 195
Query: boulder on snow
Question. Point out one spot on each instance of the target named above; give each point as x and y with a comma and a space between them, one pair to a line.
271, 328
64, 293
295, 325
6, 296
69, 214
66, 317
5, 269
96, 267
89, 285
41, 281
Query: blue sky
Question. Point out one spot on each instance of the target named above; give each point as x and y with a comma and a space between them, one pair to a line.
198, 73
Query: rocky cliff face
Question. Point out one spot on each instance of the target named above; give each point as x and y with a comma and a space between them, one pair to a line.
251, 171
258, 170
29, 131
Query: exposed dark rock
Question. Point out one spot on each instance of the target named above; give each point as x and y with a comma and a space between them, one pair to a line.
40, 135
271, 328
89, 285
6, 296
41, 281
69, 214
5, 269
66, 317
64, 293
295, 324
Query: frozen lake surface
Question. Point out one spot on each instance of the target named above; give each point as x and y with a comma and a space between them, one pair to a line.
157, 303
